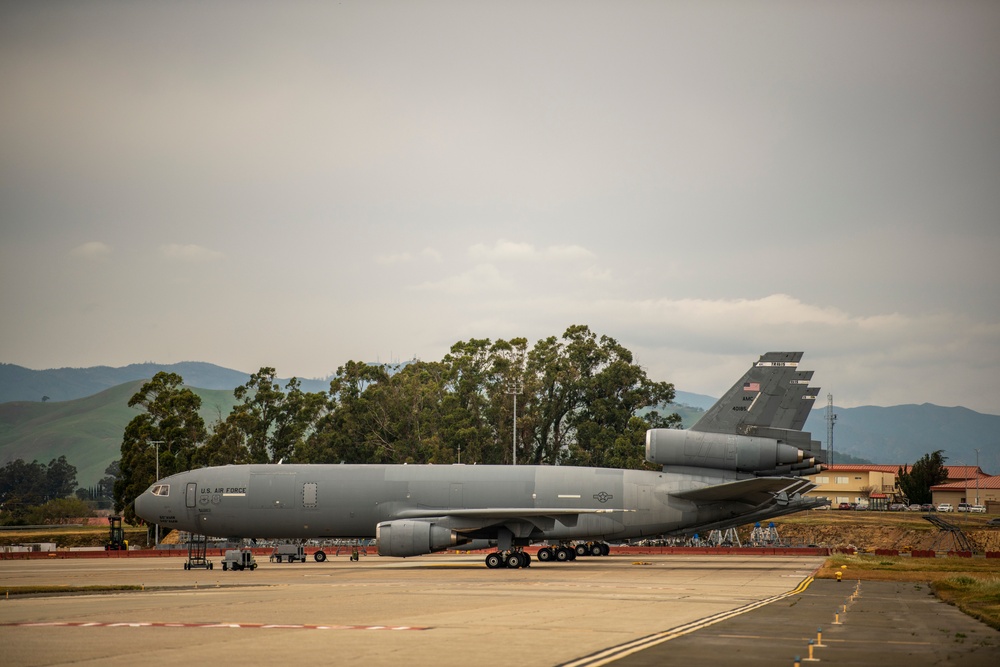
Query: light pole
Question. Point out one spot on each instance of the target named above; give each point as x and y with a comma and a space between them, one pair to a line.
157, 443
514, 390
977, 476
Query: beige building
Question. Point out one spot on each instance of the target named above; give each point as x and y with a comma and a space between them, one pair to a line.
977, 491
875, 485
872, 485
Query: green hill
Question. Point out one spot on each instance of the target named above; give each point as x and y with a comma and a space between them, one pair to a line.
88, 431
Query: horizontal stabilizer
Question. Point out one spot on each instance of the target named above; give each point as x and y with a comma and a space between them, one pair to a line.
756, 491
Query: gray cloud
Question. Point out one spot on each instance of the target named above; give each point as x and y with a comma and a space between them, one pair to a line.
317, 183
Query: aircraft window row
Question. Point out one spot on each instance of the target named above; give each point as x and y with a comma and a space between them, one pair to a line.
161, 490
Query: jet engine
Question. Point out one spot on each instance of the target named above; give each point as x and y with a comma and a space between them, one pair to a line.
721, 451
414, 538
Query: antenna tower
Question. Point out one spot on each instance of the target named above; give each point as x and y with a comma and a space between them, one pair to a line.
830, 419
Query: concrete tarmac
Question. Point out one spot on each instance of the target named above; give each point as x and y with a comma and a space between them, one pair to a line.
452, 610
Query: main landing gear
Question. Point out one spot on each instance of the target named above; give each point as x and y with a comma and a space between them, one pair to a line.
511, 559
564, 553
515, 557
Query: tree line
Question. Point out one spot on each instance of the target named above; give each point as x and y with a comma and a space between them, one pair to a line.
581, 400
33, 492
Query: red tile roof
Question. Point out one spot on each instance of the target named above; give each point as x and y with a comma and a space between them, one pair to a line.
954, 472
844, 467
983, 483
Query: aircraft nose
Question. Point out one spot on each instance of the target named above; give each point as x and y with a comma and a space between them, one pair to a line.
144, 506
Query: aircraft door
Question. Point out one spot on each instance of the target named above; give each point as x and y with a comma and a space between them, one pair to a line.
272, 490
638, 497
645, 498
191, 495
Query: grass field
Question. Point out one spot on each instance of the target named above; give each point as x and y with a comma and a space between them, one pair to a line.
971, 584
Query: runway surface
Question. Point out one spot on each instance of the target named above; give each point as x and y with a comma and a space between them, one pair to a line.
435, 610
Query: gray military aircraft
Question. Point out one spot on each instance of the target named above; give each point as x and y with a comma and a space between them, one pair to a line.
744, 461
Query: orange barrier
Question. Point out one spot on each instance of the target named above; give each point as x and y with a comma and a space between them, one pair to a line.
266, 551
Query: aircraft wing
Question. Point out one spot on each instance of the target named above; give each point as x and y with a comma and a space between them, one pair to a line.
756, 491
500, 512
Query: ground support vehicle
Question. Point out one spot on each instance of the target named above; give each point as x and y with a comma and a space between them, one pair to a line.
239, 559
288, 553
116, 538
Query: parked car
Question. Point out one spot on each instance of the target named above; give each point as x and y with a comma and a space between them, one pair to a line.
978, 509
927, 507
844, 506
995, 521
897, 507
945, 507
914, 508
964, 507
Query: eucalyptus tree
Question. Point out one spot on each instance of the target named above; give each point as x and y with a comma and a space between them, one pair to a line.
584, 397
169, 427
344, 433
268, 424
485, 379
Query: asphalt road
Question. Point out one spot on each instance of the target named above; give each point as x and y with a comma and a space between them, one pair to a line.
440, 610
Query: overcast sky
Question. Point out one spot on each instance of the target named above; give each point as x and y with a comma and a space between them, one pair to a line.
299, 184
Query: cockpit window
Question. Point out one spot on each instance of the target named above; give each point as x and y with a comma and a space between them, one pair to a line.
161, 490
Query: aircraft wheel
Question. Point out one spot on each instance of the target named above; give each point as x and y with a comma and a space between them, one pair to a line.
225, 567
605, 548
527, 559
572, 554
515, 560
595, 549
494, 560
253, 567
581, 550
562, 554
320, 556
545, 554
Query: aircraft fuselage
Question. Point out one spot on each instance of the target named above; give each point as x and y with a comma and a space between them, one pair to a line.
341, 501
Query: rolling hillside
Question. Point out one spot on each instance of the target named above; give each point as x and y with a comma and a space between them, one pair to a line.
64, 384
88, 431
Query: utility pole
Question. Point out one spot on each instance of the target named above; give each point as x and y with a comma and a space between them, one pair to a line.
157, 443
830, 419
514, 390
977, 477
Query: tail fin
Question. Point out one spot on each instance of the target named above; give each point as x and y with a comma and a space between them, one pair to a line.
755, 427
758, 399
